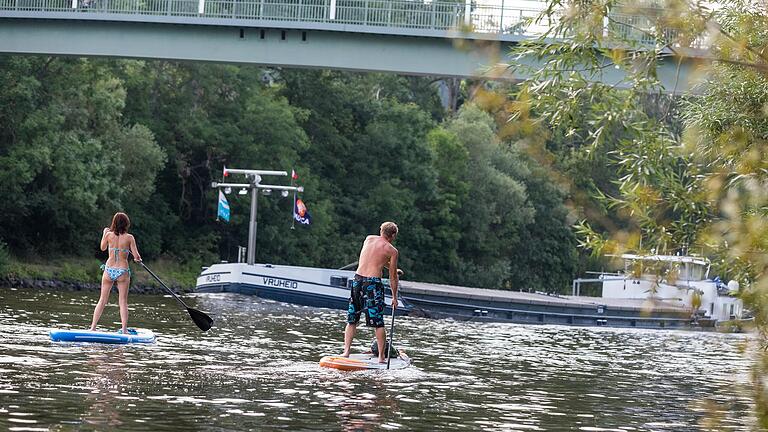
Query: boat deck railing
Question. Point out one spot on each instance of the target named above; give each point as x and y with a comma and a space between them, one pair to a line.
576, 287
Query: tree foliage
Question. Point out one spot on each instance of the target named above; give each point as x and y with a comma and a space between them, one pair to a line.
700, 184
81, 139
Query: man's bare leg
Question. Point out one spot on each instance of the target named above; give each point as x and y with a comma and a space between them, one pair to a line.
381, 340
349, 334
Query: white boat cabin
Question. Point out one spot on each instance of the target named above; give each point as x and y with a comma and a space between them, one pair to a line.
674, 278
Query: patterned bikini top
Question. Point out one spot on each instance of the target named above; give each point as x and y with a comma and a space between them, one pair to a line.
118, 250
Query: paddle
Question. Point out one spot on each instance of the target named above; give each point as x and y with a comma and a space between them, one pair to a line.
202, 320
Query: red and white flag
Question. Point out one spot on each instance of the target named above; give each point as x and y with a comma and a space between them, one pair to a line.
294, 176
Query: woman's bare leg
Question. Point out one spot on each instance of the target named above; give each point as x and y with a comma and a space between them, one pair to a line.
123, 282
106, 287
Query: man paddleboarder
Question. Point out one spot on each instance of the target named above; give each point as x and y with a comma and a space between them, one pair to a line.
367, 293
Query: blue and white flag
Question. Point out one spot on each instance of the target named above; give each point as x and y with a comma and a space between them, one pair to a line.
300, 212
223, 208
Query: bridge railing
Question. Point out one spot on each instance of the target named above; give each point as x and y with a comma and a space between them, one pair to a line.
502, 17
639, 27
403, 14
35, 5
283, 10
408, 14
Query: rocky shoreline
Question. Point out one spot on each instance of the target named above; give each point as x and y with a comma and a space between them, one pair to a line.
54, 284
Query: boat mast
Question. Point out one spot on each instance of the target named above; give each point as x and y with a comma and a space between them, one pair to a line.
254, 184
253, 225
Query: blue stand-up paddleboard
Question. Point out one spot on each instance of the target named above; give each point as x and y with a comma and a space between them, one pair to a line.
140, 336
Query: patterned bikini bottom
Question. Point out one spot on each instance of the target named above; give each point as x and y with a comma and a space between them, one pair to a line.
115, 272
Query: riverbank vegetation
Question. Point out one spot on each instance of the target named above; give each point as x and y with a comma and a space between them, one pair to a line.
86, 270
83, 138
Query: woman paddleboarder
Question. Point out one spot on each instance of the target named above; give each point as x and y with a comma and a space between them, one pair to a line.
119, 243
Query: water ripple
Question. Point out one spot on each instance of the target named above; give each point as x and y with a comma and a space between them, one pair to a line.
257, 369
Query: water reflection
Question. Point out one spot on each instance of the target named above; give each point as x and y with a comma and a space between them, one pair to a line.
109, 372
362, 402
257, 369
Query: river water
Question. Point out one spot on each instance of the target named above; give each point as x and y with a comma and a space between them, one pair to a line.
257, 370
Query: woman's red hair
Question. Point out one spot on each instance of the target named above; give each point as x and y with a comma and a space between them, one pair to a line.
120, 223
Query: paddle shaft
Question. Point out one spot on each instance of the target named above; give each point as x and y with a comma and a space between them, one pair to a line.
164, 285
392, 327
391, 337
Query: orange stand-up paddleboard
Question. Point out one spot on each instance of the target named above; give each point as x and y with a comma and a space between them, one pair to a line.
358, 362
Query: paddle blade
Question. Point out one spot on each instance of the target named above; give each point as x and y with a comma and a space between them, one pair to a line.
202, 320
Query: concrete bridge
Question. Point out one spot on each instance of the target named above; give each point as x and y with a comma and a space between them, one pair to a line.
419, 37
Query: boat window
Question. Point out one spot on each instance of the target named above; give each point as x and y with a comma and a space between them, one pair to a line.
339, 281
697, 272
731, 309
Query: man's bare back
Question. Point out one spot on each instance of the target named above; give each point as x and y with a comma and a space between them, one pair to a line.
374, 256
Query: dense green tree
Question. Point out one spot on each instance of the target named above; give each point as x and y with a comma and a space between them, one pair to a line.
450, 158
497, 210
545, 258
369, 145
66, 160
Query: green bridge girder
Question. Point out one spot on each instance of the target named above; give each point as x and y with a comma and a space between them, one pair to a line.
426, 49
